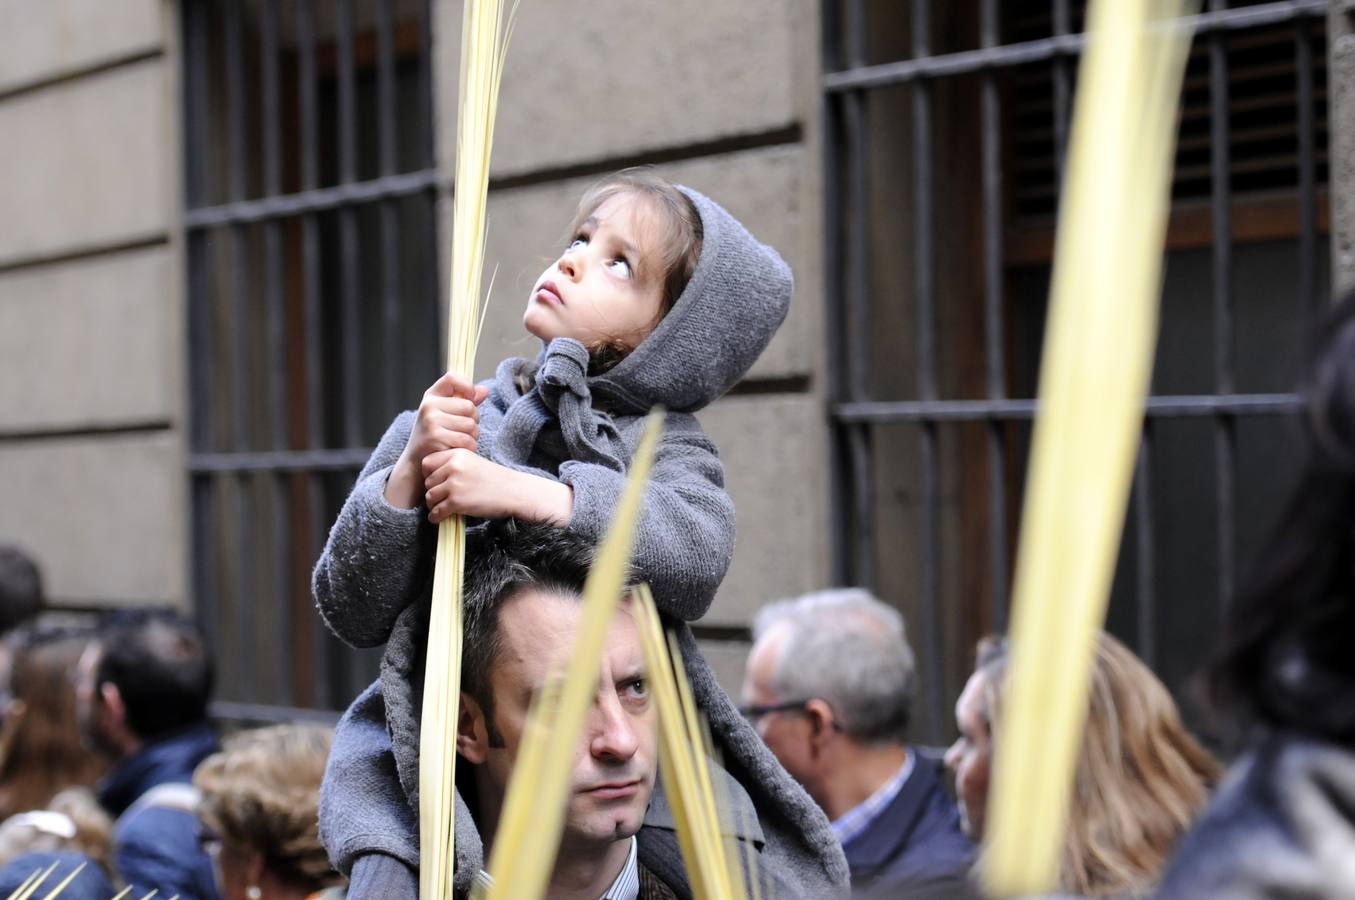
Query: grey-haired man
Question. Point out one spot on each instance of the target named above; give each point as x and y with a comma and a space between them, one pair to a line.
829, 686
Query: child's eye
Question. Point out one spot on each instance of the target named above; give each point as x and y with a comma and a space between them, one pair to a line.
579, 241
621, 266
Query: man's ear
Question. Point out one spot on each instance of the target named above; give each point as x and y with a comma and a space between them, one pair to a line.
822, 723
112, 703
472, 732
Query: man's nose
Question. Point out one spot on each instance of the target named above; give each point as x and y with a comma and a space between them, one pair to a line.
613, 733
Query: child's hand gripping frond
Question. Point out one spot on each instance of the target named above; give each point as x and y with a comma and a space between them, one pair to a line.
448, 418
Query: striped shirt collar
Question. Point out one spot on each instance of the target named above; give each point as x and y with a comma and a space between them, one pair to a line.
856, 820
625, 887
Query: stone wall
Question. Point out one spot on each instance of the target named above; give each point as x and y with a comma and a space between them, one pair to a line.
91, 385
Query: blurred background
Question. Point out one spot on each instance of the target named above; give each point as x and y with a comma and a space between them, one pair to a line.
223, 260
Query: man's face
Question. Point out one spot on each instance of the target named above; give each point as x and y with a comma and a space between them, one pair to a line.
969, 756
786, 733
617, 758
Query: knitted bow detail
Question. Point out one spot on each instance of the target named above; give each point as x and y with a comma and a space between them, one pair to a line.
562, 393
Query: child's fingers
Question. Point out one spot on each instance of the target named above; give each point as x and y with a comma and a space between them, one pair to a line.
454, 385
441, 465
440, 444
434, 406
435, 496
441, 426
432, 467
481, 392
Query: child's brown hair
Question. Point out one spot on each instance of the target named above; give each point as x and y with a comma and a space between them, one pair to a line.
680, 239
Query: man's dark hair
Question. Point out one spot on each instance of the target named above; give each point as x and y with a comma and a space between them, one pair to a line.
504, 557
20, 587
160, 665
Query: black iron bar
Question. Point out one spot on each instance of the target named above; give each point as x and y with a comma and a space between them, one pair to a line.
1221, 208
315, 381
835, 253
993, 276
282, 604
970, 61
349, 273
265, 714
1146, 555
858, 248
863, 525
1177, 406
856, 31
245, 681
427, 151
202, 427
924, 300
1063, 88
404, 184
281, 460
1308, 295
392, 363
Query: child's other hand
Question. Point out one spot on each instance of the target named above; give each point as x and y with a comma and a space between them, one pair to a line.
462, 482
447, 419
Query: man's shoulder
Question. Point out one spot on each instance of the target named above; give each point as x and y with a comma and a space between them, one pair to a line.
916, 839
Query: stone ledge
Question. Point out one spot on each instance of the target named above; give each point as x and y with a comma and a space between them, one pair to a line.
49, 39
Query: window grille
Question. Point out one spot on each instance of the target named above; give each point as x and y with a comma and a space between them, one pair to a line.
945, 127
312, 271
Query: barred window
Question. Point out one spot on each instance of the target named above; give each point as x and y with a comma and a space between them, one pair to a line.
313, 288
944, 134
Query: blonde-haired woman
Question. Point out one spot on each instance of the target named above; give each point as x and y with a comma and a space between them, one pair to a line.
1141, 778
259, 803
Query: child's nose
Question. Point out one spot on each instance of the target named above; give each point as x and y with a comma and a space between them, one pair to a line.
569, 265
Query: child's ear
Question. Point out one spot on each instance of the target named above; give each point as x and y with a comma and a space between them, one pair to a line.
472, 732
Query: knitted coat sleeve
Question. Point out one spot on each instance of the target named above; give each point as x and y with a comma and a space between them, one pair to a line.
685, 538
377, 557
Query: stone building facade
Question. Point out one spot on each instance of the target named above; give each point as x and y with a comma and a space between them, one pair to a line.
127, 225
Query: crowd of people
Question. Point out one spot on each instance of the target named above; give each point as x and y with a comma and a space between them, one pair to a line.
111, 770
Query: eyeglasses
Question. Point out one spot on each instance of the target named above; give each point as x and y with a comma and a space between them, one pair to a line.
753, 712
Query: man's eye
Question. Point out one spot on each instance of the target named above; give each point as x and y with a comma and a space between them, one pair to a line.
638, 687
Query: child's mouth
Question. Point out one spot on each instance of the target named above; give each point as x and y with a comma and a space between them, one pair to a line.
547, 292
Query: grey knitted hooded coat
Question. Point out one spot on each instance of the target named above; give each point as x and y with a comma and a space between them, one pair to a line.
375, 573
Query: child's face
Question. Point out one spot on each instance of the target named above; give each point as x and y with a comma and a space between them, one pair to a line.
605, 288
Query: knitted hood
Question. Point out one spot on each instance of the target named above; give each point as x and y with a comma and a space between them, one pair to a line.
737, 297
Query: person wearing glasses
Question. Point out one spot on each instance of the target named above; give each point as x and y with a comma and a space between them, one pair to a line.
829, 687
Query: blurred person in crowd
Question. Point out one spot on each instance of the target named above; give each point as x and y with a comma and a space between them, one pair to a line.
259, 801
40, 747
1141, 778
143, 688
829, 686
20, 588
87, 880
73, 822
1282, 824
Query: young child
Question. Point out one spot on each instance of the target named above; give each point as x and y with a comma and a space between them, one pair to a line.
660, 297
